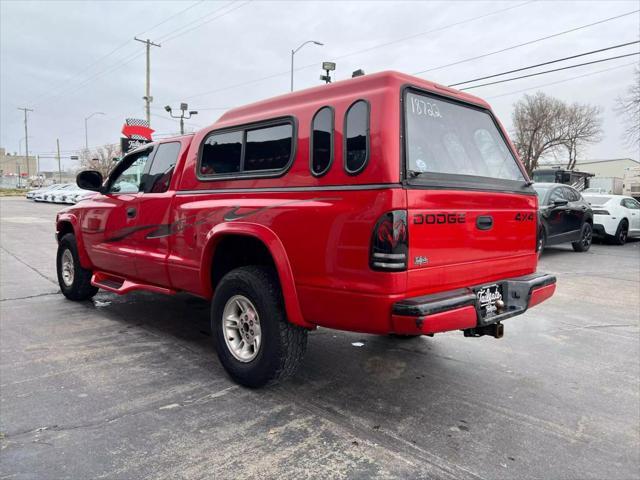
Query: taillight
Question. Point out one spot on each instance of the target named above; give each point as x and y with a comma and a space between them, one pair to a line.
601, 212
390, 242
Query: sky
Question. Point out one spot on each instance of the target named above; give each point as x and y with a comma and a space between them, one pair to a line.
67, 60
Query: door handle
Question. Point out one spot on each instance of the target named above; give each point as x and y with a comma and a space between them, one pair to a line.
131, 212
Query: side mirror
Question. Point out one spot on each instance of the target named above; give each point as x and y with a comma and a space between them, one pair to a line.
560, 202
89, 180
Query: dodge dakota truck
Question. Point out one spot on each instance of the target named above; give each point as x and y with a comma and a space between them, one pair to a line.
383, 204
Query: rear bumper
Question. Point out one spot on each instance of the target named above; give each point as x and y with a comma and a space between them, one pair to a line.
458, 309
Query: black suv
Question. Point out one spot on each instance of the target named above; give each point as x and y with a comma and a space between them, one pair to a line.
564, 216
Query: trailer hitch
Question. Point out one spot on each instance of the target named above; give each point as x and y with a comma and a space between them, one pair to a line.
496, 330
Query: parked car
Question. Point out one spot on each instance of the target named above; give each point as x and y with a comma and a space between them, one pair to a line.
298, 212
564, 217
615, 217
81, 195
71, 195
58, 196
38, 194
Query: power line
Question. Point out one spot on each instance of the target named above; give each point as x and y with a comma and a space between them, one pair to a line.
427, 32
550, 71
562, 81
125, 61
65, 82
168, 37
530, 42
545, 63
356, 52
169, 18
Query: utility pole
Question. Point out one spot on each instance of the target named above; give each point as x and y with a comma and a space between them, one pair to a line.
58, 157
148, 98
26, 136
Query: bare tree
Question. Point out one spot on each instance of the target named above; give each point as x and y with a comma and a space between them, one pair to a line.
100, 159
628, 106
539, 127
583, 126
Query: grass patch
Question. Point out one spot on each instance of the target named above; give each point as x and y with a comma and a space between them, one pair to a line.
12, 192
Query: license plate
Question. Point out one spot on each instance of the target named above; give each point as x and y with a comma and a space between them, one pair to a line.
489, 300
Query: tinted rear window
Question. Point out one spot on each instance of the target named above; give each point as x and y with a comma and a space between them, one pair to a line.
357, 137
447, 137
221, 153
322, 141
268, 148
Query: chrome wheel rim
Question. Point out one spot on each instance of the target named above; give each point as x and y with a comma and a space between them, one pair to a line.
241, 328
67, 268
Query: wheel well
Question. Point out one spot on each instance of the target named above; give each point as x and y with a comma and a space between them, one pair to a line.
64, 228
235, 251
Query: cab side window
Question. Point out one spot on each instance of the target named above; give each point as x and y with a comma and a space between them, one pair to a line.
128, 177
632, 204
321, 141
356, 137
159, 176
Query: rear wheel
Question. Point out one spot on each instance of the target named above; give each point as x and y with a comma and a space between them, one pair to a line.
74, 281
256, 343
542, 241
586, 237
620, 238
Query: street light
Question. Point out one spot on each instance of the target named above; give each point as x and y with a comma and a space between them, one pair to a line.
183, 109
86, 135
293, 52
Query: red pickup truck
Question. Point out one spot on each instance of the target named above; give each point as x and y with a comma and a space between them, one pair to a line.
383, 204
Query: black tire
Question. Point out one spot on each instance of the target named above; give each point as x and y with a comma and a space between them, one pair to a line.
282, 344
586, 238
542, 241
80, 287
622, 232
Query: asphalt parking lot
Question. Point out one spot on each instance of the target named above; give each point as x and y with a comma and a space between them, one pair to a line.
130, 387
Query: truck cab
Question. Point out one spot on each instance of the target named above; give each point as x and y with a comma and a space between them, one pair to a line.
383, 204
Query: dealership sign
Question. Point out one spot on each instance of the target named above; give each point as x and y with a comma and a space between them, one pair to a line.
136, 133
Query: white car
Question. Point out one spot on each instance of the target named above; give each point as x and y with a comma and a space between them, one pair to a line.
73, 195
615, 217
42, 195
60, 195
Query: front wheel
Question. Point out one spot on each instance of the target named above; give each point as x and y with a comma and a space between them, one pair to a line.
620, 238
74, 281
256, 343
586, 237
